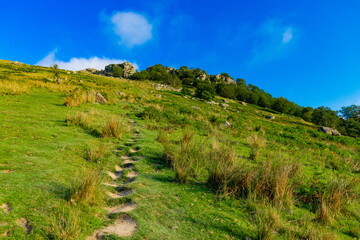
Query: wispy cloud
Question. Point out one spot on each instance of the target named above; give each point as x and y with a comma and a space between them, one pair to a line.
76, 64
273, 39
132, 28
287, 35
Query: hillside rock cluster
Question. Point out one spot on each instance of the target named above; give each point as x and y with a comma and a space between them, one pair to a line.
129, 70
330, 131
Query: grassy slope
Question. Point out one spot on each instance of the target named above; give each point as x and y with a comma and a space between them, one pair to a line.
45, 155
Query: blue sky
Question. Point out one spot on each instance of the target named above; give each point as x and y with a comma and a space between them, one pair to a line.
306, 51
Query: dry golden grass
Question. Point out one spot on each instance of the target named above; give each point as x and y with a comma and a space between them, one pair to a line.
86, 190
81, 119
115, 127
65, 224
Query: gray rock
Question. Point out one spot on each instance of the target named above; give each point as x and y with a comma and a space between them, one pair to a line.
128, 69
224, 105
99, 98
227, 124
92, 70
270, 117
330, 131
243, 103
195, 107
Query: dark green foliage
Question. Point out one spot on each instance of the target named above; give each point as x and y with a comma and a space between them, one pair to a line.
118, 71
202, 87
325, 116
186, 91
143, 75
206, 95
350, 112
56, 71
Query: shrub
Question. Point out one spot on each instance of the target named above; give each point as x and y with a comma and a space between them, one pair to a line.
186, 91
206, 95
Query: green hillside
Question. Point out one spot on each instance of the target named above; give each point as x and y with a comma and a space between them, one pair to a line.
85, 156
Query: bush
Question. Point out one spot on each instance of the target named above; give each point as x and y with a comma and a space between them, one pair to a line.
186, 91
206, 95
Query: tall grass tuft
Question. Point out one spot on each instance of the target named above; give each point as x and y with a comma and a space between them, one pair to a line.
86, 190
256, 143
78, 98
273, 180
95, 154
81, 119
115, 128
65, 224
338, 193
163, 137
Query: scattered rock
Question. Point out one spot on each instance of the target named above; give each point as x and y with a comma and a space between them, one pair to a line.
121, 94
224, 105
195, 107
99, 98
92, 70
270, 117
227, 124
330, 131
6, 171
243, 103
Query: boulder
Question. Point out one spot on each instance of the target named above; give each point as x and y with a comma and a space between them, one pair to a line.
128, 69
99, 98
224, 105
195, 107
92, 70
227, 124
270, 117
243, 103
202, 76
330, 131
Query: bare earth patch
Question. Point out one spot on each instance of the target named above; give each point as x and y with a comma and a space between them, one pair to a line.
5, 207
24, 223
126, 207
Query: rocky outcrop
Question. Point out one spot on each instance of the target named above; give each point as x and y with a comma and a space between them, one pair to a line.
128, 69
92, 71
227, 80
202, 76
330, 131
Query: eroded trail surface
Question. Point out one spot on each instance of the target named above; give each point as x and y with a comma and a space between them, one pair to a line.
124, 225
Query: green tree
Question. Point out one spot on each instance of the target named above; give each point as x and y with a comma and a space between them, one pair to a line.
206, 95
241, 82
56, 71
325, 116
350, 112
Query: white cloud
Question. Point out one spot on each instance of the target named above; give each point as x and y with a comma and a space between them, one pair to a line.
76, 64
287, 35
132, 28
273, 41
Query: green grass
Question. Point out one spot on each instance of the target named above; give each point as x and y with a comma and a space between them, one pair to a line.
50, 148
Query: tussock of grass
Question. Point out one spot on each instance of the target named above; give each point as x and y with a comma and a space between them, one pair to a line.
338, 193
256, 143
81, 119
95, 154
115, 127
86, 190
78, 98
64, 224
